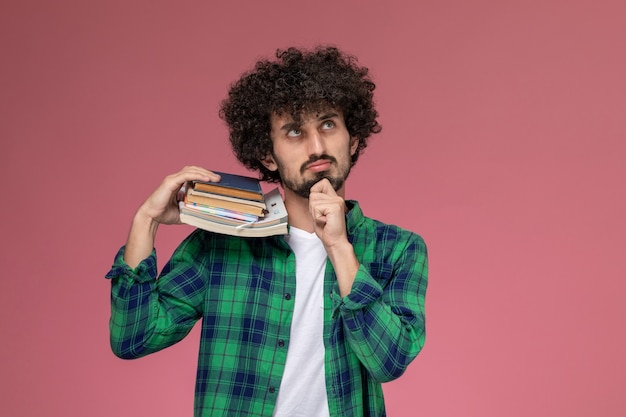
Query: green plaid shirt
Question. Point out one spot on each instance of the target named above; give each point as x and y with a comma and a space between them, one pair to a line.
243, 290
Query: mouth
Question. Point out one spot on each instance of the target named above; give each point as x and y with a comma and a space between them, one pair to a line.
319, 165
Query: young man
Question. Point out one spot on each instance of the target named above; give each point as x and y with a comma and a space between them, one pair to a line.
303, 325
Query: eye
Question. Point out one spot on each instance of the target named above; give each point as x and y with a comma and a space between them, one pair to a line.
294, 133
328, 124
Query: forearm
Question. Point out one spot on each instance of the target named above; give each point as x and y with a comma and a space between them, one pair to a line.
140, 242
345, 265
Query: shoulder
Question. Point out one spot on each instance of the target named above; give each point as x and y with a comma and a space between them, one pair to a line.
204, 242
358, 223
377, 239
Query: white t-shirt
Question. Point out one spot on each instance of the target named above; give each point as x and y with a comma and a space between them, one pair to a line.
302, 390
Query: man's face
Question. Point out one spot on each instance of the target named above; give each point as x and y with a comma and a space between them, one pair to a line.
306, 151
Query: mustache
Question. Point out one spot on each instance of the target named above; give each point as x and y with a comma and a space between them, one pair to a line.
314, 159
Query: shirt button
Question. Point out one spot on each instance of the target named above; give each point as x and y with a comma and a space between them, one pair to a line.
272, 390
287, 296
281, 343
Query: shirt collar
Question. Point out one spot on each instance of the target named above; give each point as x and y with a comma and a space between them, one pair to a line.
354, 216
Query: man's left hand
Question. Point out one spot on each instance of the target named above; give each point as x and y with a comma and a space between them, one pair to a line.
328, 211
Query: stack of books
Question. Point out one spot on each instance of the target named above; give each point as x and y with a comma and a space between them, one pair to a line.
236, 205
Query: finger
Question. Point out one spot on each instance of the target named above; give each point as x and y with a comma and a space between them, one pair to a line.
325, 210
190, 173
323, 186
199, 173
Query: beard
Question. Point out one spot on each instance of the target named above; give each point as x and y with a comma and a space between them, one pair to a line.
303, 187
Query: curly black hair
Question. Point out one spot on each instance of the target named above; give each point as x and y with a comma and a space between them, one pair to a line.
299, 81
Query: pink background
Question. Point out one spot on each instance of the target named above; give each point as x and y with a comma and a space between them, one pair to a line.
503, 146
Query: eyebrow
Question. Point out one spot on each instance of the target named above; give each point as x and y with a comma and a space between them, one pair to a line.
287, 127
295, 125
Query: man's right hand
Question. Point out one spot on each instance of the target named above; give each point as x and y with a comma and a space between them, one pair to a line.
161, 207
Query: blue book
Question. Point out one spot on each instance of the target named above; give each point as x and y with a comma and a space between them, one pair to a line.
232, 185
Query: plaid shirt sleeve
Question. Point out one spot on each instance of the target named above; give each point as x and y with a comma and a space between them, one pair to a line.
383, 316
147, 316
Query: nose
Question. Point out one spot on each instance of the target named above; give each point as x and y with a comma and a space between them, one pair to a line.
316, 143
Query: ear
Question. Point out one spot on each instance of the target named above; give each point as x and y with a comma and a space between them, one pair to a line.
354, 144
269, 162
